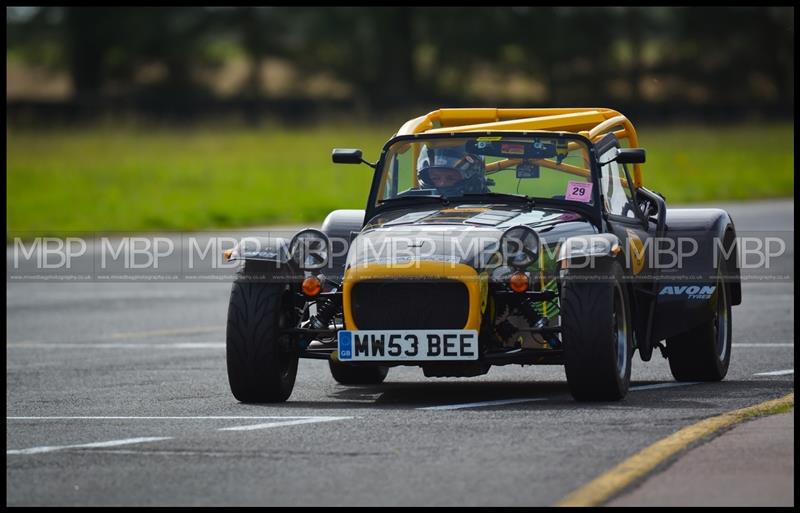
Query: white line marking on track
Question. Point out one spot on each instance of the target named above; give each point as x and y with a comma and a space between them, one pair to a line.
123, 335
483, 403
775, 373
515, 401
175, 331
121, 345
28, 344
765, 344
285, 423
212, 417
111, 443
662, 385
213, 454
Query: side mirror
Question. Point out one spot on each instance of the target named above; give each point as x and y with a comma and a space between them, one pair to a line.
349, 156
630, 156
346, 156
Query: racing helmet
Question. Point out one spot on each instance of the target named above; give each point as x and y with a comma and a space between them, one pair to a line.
451, 171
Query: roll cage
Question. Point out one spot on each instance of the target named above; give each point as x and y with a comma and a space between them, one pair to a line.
588, 125
592, 212
591, 123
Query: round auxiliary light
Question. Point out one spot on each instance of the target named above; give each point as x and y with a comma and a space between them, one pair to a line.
519, 282
309, 249
520, 246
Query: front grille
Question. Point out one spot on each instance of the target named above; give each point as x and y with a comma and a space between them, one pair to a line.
397, 305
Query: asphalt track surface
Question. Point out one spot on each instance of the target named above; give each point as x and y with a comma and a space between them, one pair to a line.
117, 394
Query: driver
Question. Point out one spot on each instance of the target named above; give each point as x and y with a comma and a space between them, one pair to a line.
451, 170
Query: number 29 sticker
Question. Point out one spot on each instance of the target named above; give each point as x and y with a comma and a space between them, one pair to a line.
579, 191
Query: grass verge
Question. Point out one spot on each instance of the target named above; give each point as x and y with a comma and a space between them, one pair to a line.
134, 179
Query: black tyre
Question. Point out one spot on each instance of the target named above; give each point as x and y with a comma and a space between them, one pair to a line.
597, 336
704, 353
350, 375
262, 364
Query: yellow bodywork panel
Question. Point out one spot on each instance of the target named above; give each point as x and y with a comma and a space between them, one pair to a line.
415, 270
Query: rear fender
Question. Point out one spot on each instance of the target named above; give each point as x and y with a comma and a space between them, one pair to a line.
686, 288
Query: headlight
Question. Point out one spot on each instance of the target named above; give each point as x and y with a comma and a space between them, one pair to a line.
520, 246
309, 249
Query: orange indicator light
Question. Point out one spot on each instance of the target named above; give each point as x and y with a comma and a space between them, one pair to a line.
518, 282
312, 286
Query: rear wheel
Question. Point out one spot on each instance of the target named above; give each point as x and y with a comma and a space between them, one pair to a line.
704, 353
262, 363
351, 375
597, 338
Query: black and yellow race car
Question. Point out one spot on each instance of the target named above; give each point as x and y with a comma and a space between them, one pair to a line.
491, 237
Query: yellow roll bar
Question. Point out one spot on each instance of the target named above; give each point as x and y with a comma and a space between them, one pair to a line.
592, 123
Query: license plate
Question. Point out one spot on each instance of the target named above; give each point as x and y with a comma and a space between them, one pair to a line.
407, 345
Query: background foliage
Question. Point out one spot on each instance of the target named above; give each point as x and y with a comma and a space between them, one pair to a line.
648, 61
179, 118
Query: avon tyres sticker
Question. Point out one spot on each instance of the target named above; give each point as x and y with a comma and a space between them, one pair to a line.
579, 191
690, 292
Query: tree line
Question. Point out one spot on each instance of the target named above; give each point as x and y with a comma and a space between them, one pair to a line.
736, 57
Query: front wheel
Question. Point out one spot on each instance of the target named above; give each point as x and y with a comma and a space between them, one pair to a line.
262, 363
597, 335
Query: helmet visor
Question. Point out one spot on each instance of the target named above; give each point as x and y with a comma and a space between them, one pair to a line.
449, 158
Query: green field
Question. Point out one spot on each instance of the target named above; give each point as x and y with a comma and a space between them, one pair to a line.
130, 179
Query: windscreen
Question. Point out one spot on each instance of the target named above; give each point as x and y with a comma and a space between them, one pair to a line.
533, 166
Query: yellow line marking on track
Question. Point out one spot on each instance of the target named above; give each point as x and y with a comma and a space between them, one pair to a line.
608, 485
